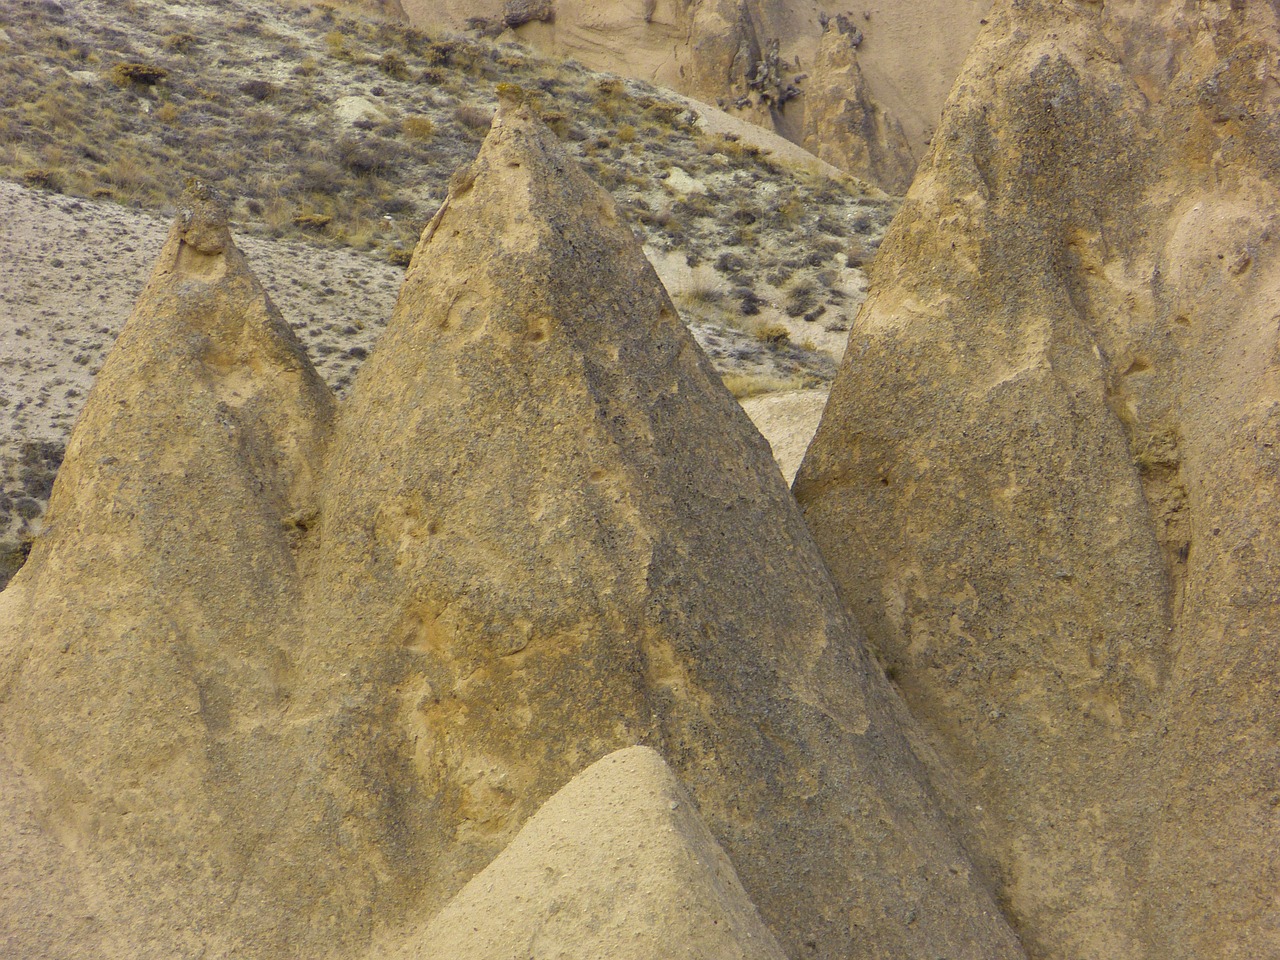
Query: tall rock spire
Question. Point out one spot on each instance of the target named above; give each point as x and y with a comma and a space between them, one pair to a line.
1043, 479
144, 659
549, 533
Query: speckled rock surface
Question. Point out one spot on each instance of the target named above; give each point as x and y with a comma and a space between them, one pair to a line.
145, 651
554, 534
1046, 480
279, 679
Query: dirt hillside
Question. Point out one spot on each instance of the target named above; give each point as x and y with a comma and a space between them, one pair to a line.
871, 109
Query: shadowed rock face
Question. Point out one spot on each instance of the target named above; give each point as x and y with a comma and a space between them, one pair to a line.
1044, 479
275, 685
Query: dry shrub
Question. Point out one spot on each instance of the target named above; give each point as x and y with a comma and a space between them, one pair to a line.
859, 253
473, 117
180, 42
43, 179
366, 157
260, 90
335, 41
312, 221
320, 176
743, 386
557, 122
127, 173
802, 298
278, 216
393, 65
140, 74
773, 334
418, 127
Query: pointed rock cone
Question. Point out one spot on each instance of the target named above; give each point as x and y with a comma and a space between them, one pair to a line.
1042, 478
143, 673
843, 122
552, 533
617, 864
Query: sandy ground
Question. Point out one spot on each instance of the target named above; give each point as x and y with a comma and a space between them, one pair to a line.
788, 421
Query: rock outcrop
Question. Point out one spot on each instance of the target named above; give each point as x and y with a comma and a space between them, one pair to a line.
278, 680
145, 648
1045, 479
869, 106
617, 864
551, 531
843, 124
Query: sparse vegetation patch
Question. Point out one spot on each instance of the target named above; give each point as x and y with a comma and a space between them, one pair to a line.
175, 107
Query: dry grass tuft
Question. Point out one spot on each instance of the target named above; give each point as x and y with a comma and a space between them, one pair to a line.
754, 384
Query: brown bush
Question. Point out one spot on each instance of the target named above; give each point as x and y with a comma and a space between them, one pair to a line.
312, 221
418, 127
393, 65
259, 90
773, 334
473, 117
139, 74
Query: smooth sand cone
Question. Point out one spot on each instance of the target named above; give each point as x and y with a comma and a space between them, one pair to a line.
551, 533
619, 864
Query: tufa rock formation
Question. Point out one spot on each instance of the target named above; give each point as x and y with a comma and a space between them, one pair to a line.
146, 646
843, 124
279, 682
1046, 476
617, 864
551, 532
868, 107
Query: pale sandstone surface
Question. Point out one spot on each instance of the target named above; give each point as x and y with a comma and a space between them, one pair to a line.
551, 531
710, 49
1046, 478
43, 911
788, 421
617, 864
